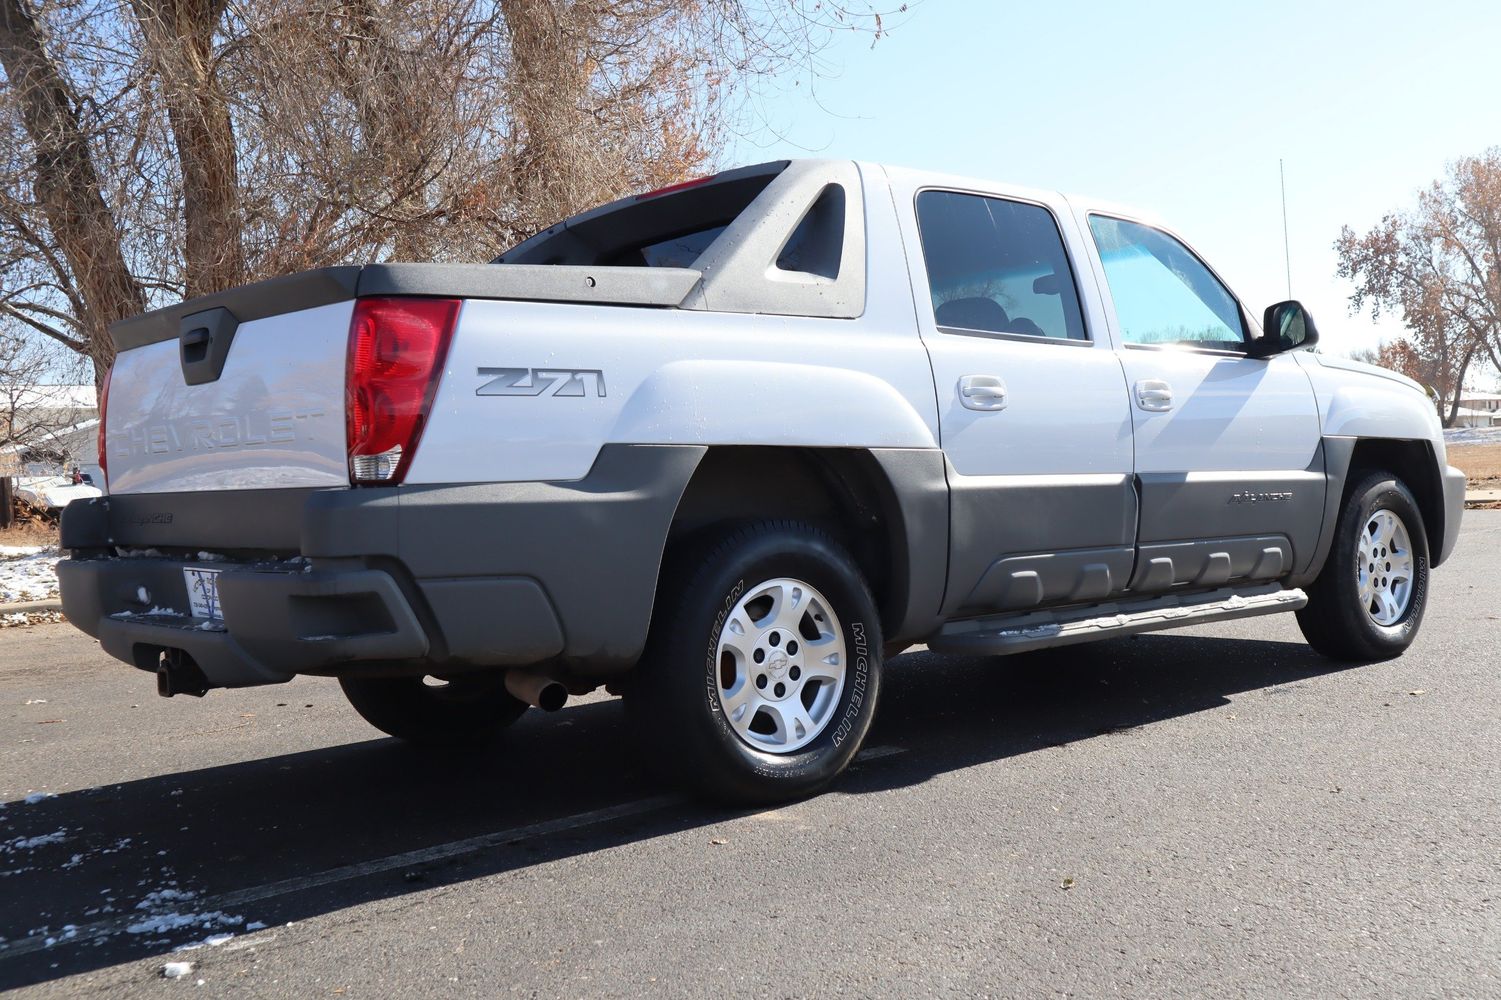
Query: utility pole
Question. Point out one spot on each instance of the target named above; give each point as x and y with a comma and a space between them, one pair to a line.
1286, 252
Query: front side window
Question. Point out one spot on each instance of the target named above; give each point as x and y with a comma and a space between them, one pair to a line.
1163, 294
997, 266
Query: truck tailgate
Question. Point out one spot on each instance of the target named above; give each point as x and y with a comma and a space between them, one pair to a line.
274, 418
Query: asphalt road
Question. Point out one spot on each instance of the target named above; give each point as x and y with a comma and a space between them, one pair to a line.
1211, 813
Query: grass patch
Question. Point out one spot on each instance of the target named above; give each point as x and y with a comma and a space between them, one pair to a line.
29, 533
1481, 464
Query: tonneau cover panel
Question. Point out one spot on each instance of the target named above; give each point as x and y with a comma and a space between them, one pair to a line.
627, 286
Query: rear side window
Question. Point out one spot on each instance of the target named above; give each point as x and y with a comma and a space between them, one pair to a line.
997, 266
668, 228
817, 244
1163, 294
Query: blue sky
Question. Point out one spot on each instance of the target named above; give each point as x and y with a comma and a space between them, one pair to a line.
1179, 108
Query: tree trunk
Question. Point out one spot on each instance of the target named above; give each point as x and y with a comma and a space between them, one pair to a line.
179, 39
373, 78
67, 184
549, 84
1459, 385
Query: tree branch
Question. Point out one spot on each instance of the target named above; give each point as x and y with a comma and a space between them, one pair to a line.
81, 346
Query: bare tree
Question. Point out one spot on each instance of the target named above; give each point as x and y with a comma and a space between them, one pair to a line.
1401, 356
68, 224
157, 149
178, 37
1438, 266
36, 414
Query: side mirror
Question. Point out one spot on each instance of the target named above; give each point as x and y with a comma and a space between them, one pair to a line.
1285, 326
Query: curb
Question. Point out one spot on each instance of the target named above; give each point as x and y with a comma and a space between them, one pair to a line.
27, 607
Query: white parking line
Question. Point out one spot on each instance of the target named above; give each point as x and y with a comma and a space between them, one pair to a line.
229, 901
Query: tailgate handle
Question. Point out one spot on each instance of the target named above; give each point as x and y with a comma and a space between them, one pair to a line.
195, 344
203, 341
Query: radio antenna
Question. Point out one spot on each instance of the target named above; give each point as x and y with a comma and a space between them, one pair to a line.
1286, 253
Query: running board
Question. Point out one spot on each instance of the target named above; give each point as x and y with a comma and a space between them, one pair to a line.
1018, 633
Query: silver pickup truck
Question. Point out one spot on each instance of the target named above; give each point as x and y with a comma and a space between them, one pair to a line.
727, 446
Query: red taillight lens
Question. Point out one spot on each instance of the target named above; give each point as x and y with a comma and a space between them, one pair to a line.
103, 415
396, 351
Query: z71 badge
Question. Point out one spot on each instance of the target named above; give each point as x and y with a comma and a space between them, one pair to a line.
542, 382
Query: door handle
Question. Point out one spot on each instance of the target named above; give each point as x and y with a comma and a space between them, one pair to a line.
1154, 395
982, 392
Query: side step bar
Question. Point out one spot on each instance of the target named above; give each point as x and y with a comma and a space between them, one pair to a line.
1018, 633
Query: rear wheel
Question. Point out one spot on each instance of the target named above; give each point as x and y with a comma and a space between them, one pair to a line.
1368, 600
761, 674
431, 711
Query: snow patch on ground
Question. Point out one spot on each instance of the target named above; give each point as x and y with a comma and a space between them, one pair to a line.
1472, 435
164, 916
32, 843
27, 573
68, 933
157, 898
212, 941
164, 923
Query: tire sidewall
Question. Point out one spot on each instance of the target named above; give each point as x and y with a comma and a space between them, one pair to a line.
1382, 493
730, 767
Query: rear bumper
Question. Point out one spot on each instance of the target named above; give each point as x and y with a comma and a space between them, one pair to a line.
279, 620
412, 579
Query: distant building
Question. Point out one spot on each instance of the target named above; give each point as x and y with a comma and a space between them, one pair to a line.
54, 427
1477, 409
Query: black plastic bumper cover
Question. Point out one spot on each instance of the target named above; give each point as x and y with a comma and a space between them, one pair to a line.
503, 574
276, 623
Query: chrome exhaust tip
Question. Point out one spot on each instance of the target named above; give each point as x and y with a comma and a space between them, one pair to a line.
536, 690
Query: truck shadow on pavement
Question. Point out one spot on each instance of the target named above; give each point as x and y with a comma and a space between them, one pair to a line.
128, 871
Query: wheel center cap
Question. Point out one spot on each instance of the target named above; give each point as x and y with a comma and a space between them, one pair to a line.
776, 663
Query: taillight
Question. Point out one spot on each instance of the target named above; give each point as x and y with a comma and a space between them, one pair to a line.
396, 351
103, 415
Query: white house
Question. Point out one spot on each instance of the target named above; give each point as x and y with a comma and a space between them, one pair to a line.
1477, 409
48, 425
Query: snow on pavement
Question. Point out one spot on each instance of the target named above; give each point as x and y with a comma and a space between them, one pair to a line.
32, 843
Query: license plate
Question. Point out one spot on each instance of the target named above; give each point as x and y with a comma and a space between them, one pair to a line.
203, 592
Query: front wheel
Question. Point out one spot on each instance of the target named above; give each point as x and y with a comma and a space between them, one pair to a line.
1368, 600
761, 674
423, 710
